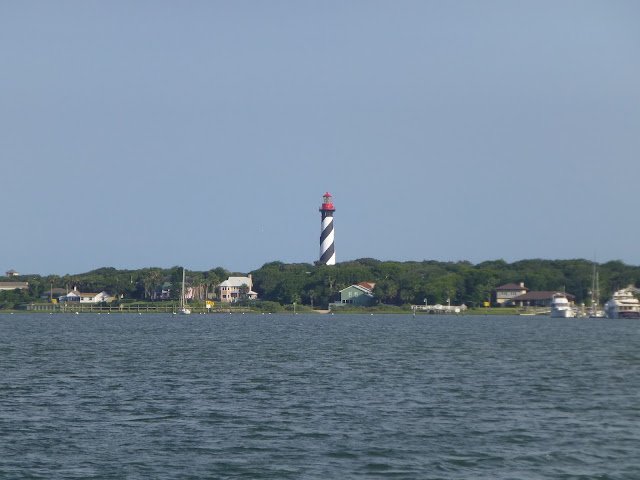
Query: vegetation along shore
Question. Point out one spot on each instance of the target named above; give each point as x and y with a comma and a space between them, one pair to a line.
303, 287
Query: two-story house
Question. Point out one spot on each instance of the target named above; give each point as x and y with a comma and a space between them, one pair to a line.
359, 295
235, 289
504, 294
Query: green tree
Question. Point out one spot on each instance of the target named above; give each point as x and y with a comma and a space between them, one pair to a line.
243, 290
175, 277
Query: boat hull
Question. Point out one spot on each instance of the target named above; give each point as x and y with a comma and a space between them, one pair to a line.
562, 314
623, 304
615, 314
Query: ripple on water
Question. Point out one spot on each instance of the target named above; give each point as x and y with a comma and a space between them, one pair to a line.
318, 397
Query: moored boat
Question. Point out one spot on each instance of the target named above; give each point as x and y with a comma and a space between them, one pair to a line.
184, 309
560, 307
623, 304
594, 310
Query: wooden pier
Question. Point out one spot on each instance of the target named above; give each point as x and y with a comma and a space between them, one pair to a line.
89, 308
439, 309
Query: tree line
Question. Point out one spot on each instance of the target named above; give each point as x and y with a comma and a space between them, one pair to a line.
316, 285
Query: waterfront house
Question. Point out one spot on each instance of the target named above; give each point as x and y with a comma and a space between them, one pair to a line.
504, 294
80, 297
163, 292
13, 285
235, 289
359, 295
55, 292
539, 298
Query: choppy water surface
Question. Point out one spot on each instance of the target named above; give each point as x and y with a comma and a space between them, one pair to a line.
318, 397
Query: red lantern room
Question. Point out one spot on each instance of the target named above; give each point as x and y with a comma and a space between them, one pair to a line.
327, 203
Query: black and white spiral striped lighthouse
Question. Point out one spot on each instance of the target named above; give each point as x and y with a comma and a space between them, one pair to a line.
327, 249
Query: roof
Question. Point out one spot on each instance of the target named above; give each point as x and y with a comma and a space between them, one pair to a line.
365, 287
542, 295
236, 282
84, 294
511, 286
12, 285
55, 291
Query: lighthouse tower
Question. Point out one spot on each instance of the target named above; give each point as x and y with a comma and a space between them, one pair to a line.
327, 250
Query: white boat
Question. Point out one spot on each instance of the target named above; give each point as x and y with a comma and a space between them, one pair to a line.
560, 307
184, 309
623, 304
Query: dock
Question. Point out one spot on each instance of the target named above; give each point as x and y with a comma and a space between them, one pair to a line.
438, 309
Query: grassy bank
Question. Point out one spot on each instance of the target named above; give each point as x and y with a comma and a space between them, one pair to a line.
250, 307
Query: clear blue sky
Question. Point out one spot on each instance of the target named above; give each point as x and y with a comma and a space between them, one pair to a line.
204, 133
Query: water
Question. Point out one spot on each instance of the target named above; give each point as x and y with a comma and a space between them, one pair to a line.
318, 397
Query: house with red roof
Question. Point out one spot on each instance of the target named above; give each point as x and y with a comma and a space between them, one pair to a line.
358, 295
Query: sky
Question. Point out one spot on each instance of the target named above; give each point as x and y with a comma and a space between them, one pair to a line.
204, 133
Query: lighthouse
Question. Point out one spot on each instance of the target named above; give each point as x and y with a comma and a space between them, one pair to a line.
327, 250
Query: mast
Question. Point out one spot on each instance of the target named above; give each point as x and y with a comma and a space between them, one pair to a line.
182, 296
595, 290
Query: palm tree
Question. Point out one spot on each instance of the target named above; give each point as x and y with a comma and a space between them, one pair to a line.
213, 281
243, 290
197, 281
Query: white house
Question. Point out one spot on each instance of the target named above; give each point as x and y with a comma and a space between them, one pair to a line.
76, 296
230, 289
